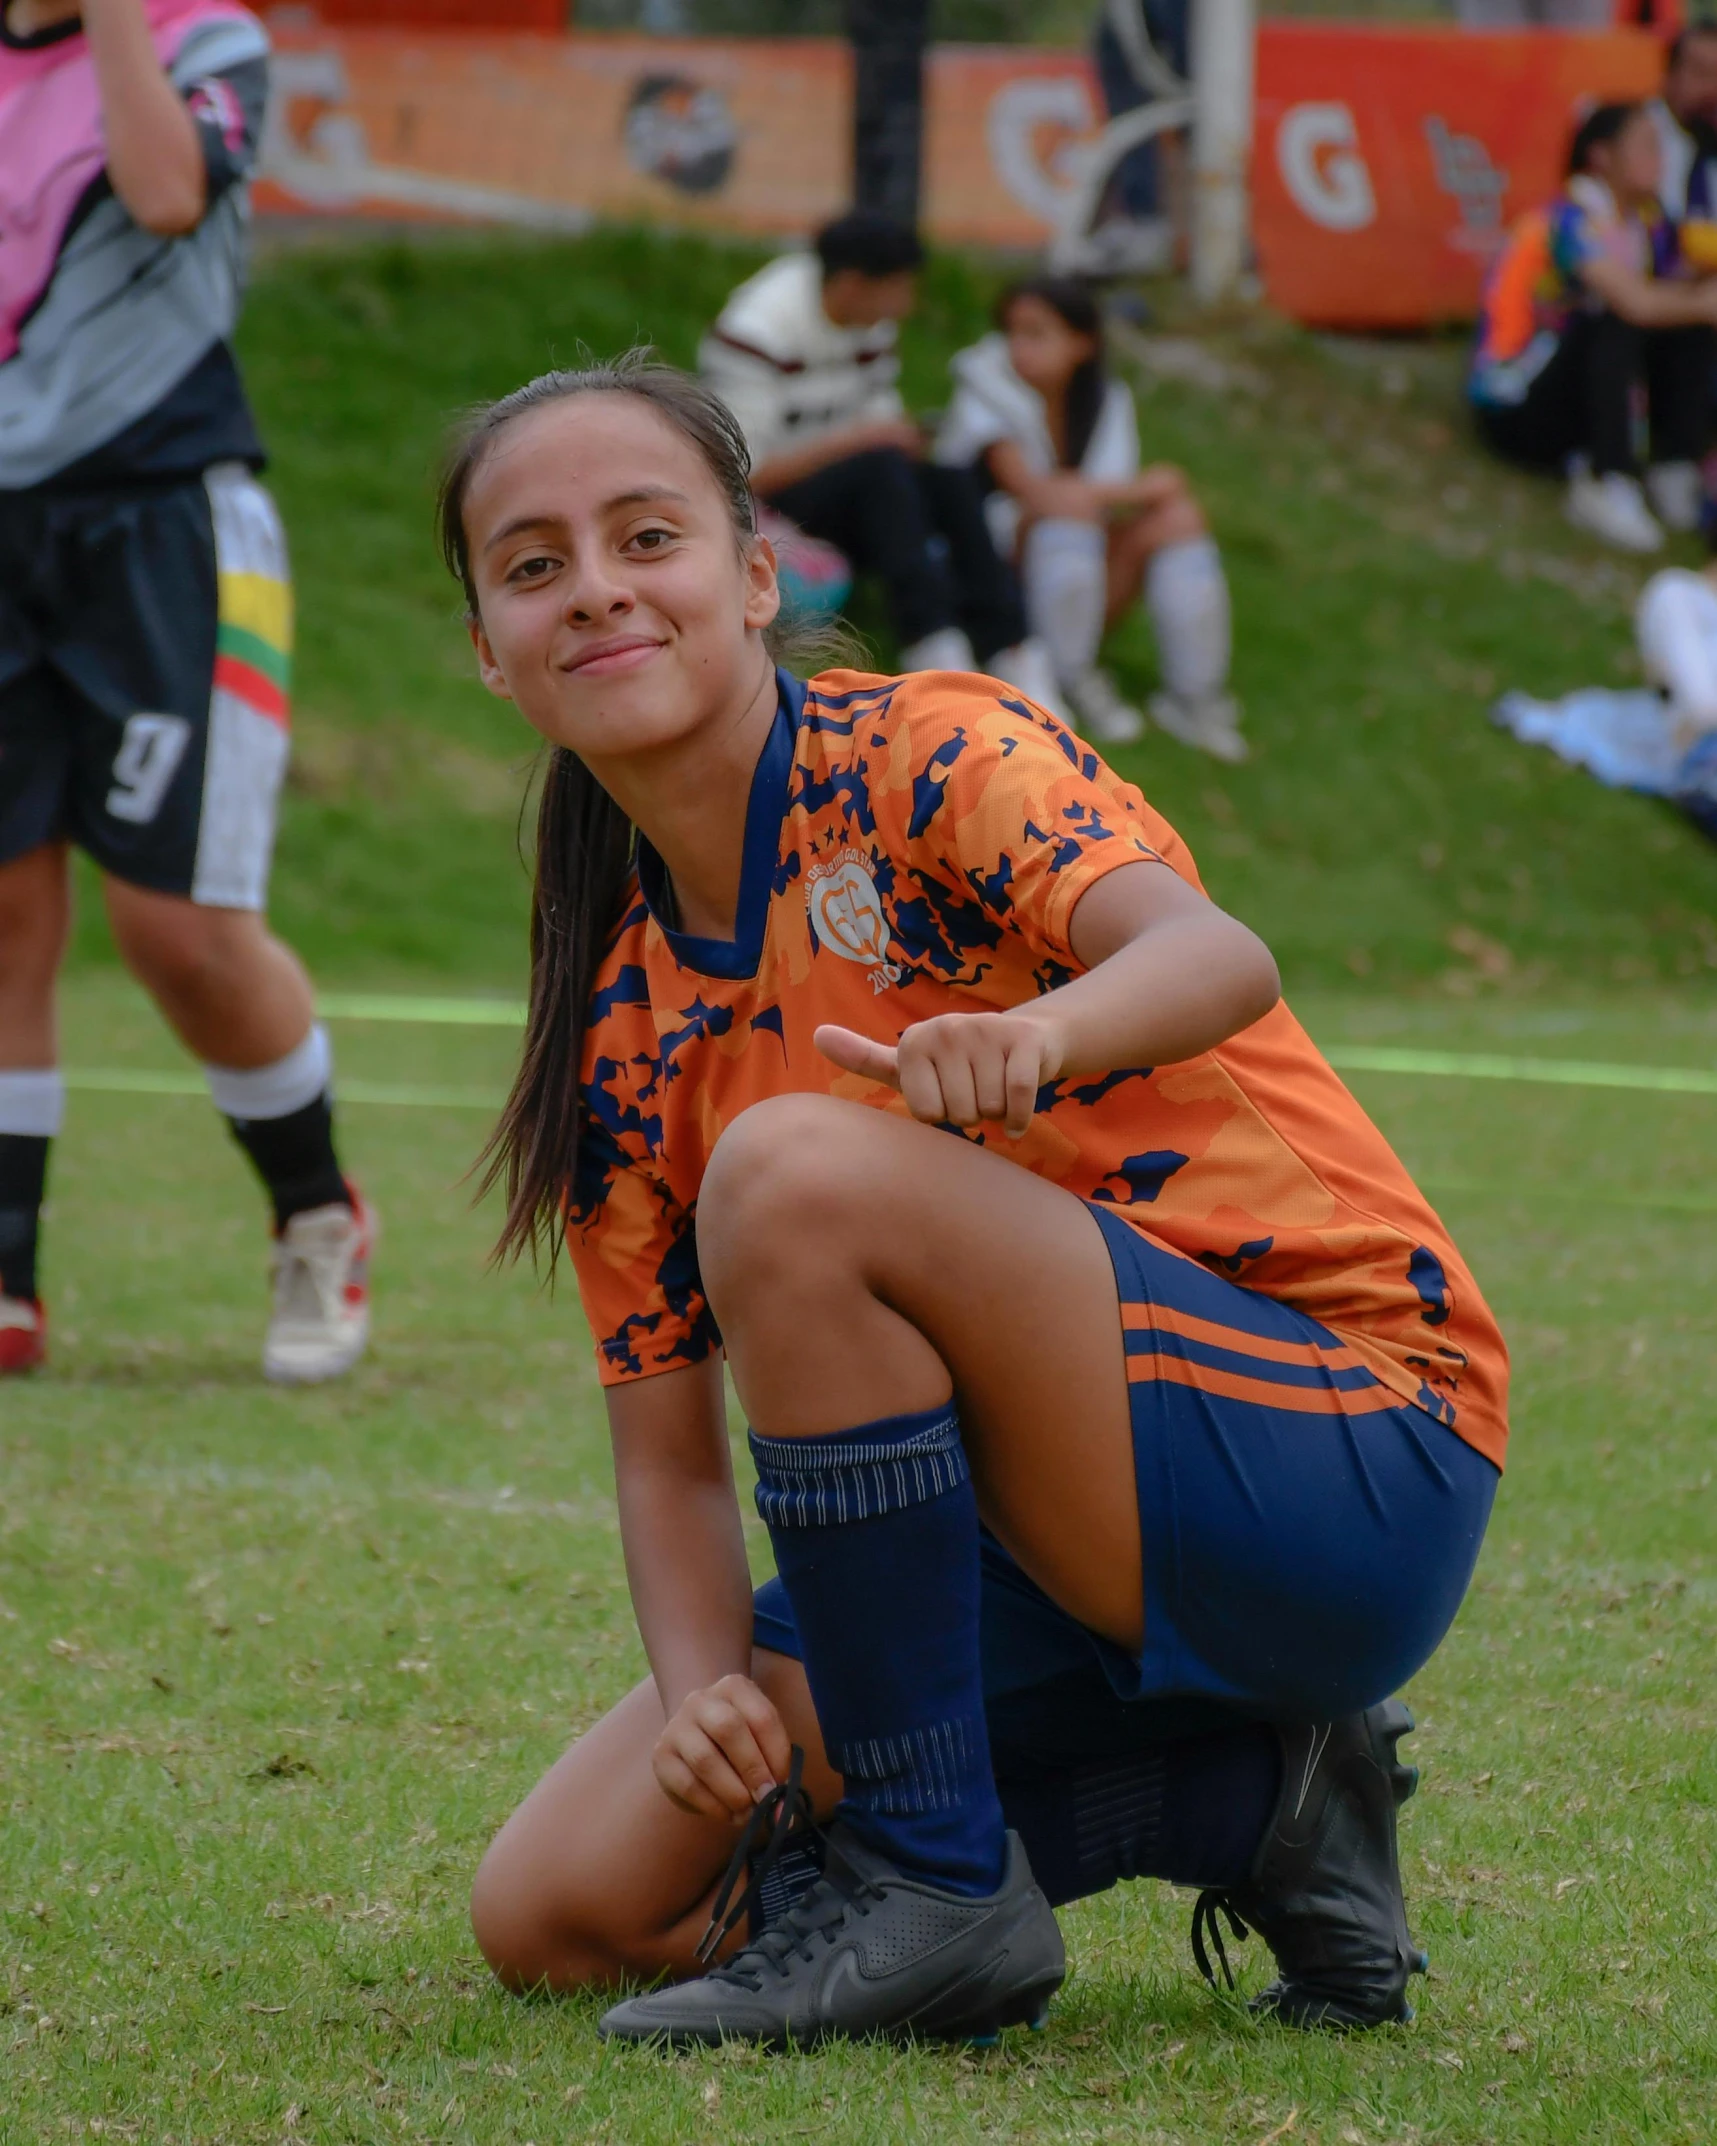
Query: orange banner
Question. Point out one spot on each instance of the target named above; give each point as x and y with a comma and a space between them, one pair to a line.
1387, 162
740, 134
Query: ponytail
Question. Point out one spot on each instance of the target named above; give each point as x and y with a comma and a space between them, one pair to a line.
585, 842
583, 864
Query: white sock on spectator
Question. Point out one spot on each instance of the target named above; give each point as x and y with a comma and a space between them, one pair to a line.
1186, 595
1027, 665
1065, 571
947, 649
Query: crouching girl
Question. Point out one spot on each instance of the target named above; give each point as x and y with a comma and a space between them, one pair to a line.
1125, 1422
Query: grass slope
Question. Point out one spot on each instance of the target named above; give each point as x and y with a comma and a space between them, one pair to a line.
1387, 581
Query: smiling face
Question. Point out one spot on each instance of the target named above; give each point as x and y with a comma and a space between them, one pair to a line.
616, 602
1042, 348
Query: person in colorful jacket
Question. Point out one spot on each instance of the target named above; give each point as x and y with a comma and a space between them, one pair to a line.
146, 623
1126, 1423
1586, 309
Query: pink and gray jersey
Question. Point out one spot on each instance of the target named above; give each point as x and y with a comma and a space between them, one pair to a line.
114, 359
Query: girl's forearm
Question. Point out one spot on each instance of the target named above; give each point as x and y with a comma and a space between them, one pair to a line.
154, 159
679, 1527
1176, 991
691, 1586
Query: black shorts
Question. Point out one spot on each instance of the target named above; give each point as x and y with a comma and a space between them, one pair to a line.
145, 639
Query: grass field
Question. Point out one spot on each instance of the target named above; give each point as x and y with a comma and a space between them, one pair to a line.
273, 1666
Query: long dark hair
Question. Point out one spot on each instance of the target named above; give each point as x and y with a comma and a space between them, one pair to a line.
584, 841
1603, 124
1078, 307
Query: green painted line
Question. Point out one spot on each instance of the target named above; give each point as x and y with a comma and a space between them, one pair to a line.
1346, 1057
1560, 1072
428, 1012
1673, 1203
108, 1080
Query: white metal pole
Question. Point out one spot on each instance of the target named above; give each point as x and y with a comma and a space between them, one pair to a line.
1224, 33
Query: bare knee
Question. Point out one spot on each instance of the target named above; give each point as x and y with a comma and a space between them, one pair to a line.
1177, 518
781, 1190
182, 952
531, 1939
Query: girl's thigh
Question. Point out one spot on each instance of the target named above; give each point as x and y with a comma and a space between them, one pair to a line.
856, 1258
596, 1876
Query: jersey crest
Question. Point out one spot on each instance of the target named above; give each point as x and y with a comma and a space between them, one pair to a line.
847, 915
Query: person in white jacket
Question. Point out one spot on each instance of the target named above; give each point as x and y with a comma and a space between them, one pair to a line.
803, 354
1056, 436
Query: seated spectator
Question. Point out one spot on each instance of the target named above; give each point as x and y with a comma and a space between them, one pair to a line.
1677, 627
1685, 116
1056, 436
1588, 305
1660, 739
803, 354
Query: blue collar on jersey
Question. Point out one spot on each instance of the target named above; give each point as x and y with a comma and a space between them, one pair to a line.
740, 955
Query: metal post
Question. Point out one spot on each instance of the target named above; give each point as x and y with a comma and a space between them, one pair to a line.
1224, 33
889, 38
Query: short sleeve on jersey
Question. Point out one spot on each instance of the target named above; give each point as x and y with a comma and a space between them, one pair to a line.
228, 108
632, 1244
1009, 809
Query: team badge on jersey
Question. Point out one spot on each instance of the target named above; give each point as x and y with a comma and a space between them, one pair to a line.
847, 915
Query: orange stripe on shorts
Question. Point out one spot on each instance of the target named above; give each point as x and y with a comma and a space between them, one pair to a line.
1263, 1393
1137, 1318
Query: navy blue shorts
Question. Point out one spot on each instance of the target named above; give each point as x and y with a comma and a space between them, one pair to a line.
1308, 1535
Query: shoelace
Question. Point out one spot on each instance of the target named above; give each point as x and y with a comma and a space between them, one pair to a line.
782, 1816
785, 1816
1207, 1915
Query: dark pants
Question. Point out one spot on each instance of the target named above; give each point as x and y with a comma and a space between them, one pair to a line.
1583, 401
1136, 188
921, 531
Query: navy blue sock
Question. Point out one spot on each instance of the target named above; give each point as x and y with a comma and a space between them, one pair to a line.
1191, 1812
876, 1541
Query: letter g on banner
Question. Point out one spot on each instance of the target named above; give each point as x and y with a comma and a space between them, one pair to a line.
1317, 153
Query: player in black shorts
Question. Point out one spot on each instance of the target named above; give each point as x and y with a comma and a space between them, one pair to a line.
146, 624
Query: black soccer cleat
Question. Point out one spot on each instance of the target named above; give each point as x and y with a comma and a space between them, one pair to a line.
867, 1951
1325, 1890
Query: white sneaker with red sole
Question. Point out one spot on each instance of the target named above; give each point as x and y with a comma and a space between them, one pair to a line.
321, 1318
23, 1335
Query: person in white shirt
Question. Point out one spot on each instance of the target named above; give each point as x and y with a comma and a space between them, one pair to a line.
1037, 412
804, 355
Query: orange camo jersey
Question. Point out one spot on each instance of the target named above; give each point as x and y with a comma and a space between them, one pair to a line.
916, 846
